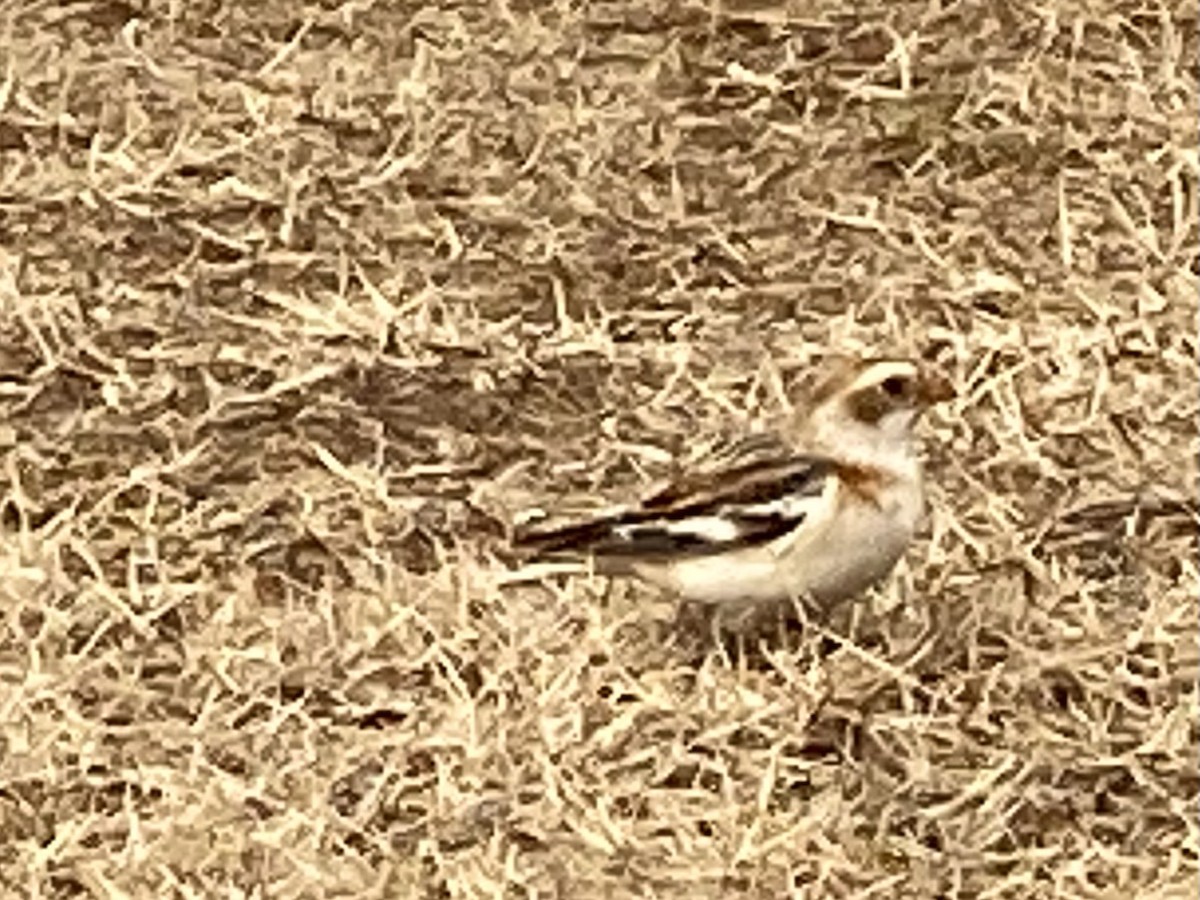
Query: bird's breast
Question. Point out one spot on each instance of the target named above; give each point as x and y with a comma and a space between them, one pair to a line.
861, 545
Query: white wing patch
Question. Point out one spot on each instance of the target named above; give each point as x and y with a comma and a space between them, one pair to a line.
817, 511
717, 529
727, 525
791, 506
767, 506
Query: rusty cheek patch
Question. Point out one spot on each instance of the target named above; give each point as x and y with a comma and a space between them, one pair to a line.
865, 484
869, 405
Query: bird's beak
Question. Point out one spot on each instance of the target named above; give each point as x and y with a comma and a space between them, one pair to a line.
933, 387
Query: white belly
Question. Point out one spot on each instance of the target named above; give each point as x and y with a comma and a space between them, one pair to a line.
824, 563
850, 557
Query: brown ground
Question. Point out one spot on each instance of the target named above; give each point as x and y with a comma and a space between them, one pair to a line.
300, 303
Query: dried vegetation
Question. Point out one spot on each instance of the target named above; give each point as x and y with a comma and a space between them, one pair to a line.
299, 303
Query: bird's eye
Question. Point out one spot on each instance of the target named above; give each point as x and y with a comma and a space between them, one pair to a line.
895, 386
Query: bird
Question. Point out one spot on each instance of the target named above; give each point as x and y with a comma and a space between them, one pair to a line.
815, 520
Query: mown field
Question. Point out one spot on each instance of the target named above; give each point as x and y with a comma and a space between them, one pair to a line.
302, 303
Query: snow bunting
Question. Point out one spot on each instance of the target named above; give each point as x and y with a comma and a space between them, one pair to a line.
779, 524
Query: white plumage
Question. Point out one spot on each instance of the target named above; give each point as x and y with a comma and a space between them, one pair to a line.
818, 522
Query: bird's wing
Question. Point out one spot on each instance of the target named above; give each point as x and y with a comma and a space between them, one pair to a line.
711, 512
724, 463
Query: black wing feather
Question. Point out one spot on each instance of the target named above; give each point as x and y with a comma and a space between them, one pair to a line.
732, 495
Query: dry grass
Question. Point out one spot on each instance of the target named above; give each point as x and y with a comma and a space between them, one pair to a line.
299, 303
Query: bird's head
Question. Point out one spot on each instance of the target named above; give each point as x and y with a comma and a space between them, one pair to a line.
867, 408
